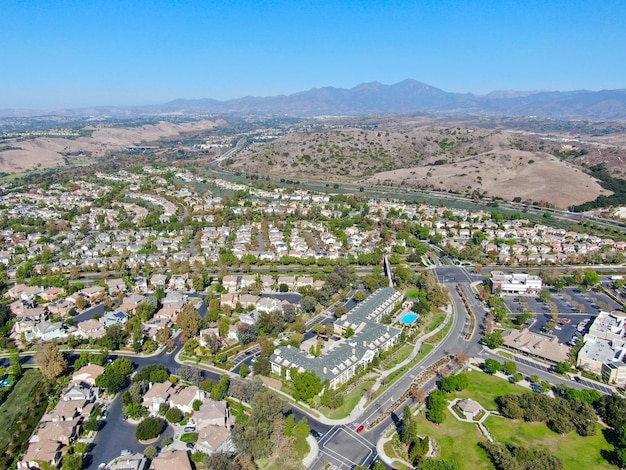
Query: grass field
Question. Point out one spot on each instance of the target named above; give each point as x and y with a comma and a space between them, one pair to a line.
18, 402
575, 452
457, 441
484, 388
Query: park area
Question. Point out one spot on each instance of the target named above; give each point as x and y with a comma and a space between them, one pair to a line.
458, 441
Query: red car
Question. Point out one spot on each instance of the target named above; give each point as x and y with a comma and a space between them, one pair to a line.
360, 428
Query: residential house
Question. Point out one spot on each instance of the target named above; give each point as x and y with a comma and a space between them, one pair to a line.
47, 331
267, 304
40, 451
248, 300
171, 459
134, 461
157, 394
115, 286
60, 307
93, 293
211, 413
229, 299
289, 281
214, 439
230, 283
88, 374
158, 280
79, 391
52, 293
63, 432
183, 399
114, 318
90, 329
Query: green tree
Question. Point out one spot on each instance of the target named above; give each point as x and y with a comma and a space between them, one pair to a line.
359, 296
305, 385
523, 317
592, 278
174, 415
493, 340
331, 398
150, 428
308, 304
492, 366
72, 462
563, 367
545, 296
509, 367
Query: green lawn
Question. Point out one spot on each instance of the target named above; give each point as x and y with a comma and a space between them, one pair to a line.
412, 293
349, 402
435, 320
17, 402
457, 441
484, 388
189, 437
575, 452
398, 356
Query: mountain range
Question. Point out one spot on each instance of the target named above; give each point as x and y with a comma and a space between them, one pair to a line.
408, 96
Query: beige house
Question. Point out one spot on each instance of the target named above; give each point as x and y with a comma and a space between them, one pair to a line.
88, 374
41, 451
171, 460
158, 393
183, 399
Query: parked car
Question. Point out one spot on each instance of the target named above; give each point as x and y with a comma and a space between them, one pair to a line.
189, 428
190, 445
360, 428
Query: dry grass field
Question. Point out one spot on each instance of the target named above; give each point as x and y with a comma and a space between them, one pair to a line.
49, 152
465, 159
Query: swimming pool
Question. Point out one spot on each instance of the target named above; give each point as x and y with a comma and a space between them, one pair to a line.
5, 382
409, 319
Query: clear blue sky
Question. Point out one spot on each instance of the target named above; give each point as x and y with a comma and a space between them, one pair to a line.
65, 53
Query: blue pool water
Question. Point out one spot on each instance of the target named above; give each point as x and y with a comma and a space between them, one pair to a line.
409, 319
5, 382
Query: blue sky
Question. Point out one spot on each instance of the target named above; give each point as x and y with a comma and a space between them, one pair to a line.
65, 53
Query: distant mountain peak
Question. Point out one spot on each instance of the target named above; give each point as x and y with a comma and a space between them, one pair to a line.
405, 97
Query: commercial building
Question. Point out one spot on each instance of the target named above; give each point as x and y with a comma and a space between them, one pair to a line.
517, 283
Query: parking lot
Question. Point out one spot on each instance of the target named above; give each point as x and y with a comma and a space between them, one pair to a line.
572, 306
569, 300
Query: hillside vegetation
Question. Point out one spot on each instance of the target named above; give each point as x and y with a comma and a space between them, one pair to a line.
464, 159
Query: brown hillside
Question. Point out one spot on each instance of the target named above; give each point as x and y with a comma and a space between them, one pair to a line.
461, 158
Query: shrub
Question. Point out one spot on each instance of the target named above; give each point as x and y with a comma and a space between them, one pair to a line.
174, 415
150, 428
